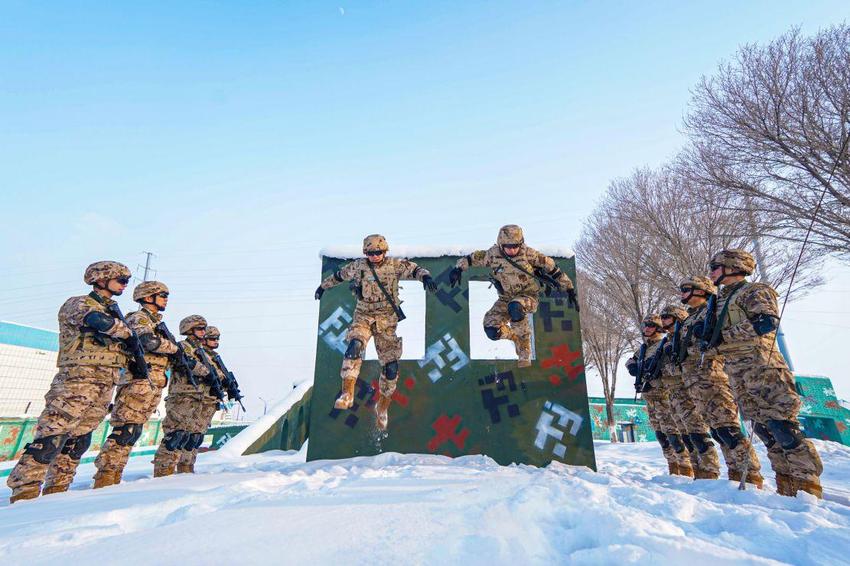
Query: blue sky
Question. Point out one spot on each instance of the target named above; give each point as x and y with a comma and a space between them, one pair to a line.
236, 139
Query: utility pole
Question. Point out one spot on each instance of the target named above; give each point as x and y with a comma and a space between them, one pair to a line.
147, 267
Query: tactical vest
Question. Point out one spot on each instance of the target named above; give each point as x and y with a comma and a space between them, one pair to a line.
155, 361
734, 315
78, 348
370, 293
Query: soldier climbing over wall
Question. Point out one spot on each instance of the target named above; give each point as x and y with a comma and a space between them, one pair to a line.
519, 273
375, 281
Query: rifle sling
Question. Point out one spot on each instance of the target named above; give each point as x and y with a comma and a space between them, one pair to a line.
386, 293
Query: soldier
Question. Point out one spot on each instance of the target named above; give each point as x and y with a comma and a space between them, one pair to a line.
695, 432
708, 385
136, 400
95, 347
186, 464
645, 371
747, 317
517, 272
375, 279
185, 404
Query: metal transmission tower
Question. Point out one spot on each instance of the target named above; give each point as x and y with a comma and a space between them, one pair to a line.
147, 267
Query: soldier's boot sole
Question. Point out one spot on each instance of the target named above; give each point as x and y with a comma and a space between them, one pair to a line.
51, 489
382, 412
105, 479
25, 493
346, 398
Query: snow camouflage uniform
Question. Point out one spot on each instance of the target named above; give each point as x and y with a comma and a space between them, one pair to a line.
709, 388
79, 396
136, 399
518, 289
695, 432
659, 409
185, 406
374, 316
186, 464
745, 334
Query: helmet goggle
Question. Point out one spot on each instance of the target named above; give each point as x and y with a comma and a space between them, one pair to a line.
650, 325
375, 253
123, 280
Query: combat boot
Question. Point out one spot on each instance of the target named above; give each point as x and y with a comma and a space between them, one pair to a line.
686, 470
27, 492
523, 350
51, 489
162, 471
785, 485
813, 487
703, 474
672, 468
105, 479
346, 398
185, 468
387, 388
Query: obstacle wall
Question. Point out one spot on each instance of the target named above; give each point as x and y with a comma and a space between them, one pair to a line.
448, 403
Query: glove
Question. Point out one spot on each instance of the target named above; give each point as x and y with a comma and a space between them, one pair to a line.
632, 369
668, 350
319, 293
429, 284
455, 276
572, 299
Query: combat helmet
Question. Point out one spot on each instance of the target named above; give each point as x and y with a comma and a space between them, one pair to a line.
652, 319
213, 333
148, 288
510, 235
698, 282
675, 311
375, 243
101, 270
192, 322
740, 260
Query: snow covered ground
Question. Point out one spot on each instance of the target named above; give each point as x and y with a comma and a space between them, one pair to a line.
274, 508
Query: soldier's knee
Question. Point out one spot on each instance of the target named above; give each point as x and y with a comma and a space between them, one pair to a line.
515, 311
763, 432
676, 443
493, 332
715, 436
686, 439
355, 347
45, 449
76, 446
662, 439
786, 433
391, 370
701, 441
730, 436
126, 435
174, 439
193, 441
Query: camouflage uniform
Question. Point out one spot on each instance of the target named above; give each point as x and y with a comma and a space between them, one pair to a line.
186, 407
518, 288
374, 316
745, 334
136, 399
695, 432
708, 386
658, 406
90, 363
208, 409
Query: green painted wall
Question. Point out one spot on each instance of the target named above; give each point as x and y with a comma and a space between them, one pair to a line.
289, 432
449, 404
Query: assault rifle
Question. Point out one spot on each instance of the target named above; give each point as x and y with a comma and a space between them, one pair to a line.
180, 360
549, 283
138, 366
230, 382
639, 376
214, 379
708, 324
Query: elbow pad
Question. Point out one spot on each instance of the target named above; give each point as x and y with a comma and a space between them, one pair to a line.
764, 323
632, 367
150, 342
99, 321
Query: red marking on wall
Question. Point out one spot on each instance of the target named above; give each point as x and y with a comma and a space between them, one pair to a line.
840, 426
555, 380
562, 357
832, 405
410, 383
446, 430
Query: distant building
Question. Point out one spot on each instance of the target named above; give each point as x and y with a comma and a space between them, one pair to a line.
27, 366
822, 415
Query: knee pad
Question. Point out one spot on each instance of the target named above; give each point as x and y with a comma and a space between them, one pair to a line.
515, 311
126, 435
662, 439
715, 436
76, 446
763, 432
188, 442
701, 441
730, 436
174, 439
391, 370
199, 439
355, 347
786, 433
676, 443
492, 332
45, 449
686, 439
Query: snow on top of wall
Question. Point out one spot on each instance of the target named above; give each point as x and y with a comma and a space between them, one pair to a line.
347, 252
237, 445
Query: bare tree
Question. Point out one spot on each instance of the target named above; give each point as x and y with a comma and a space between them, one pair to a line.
606, 338
773, 125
